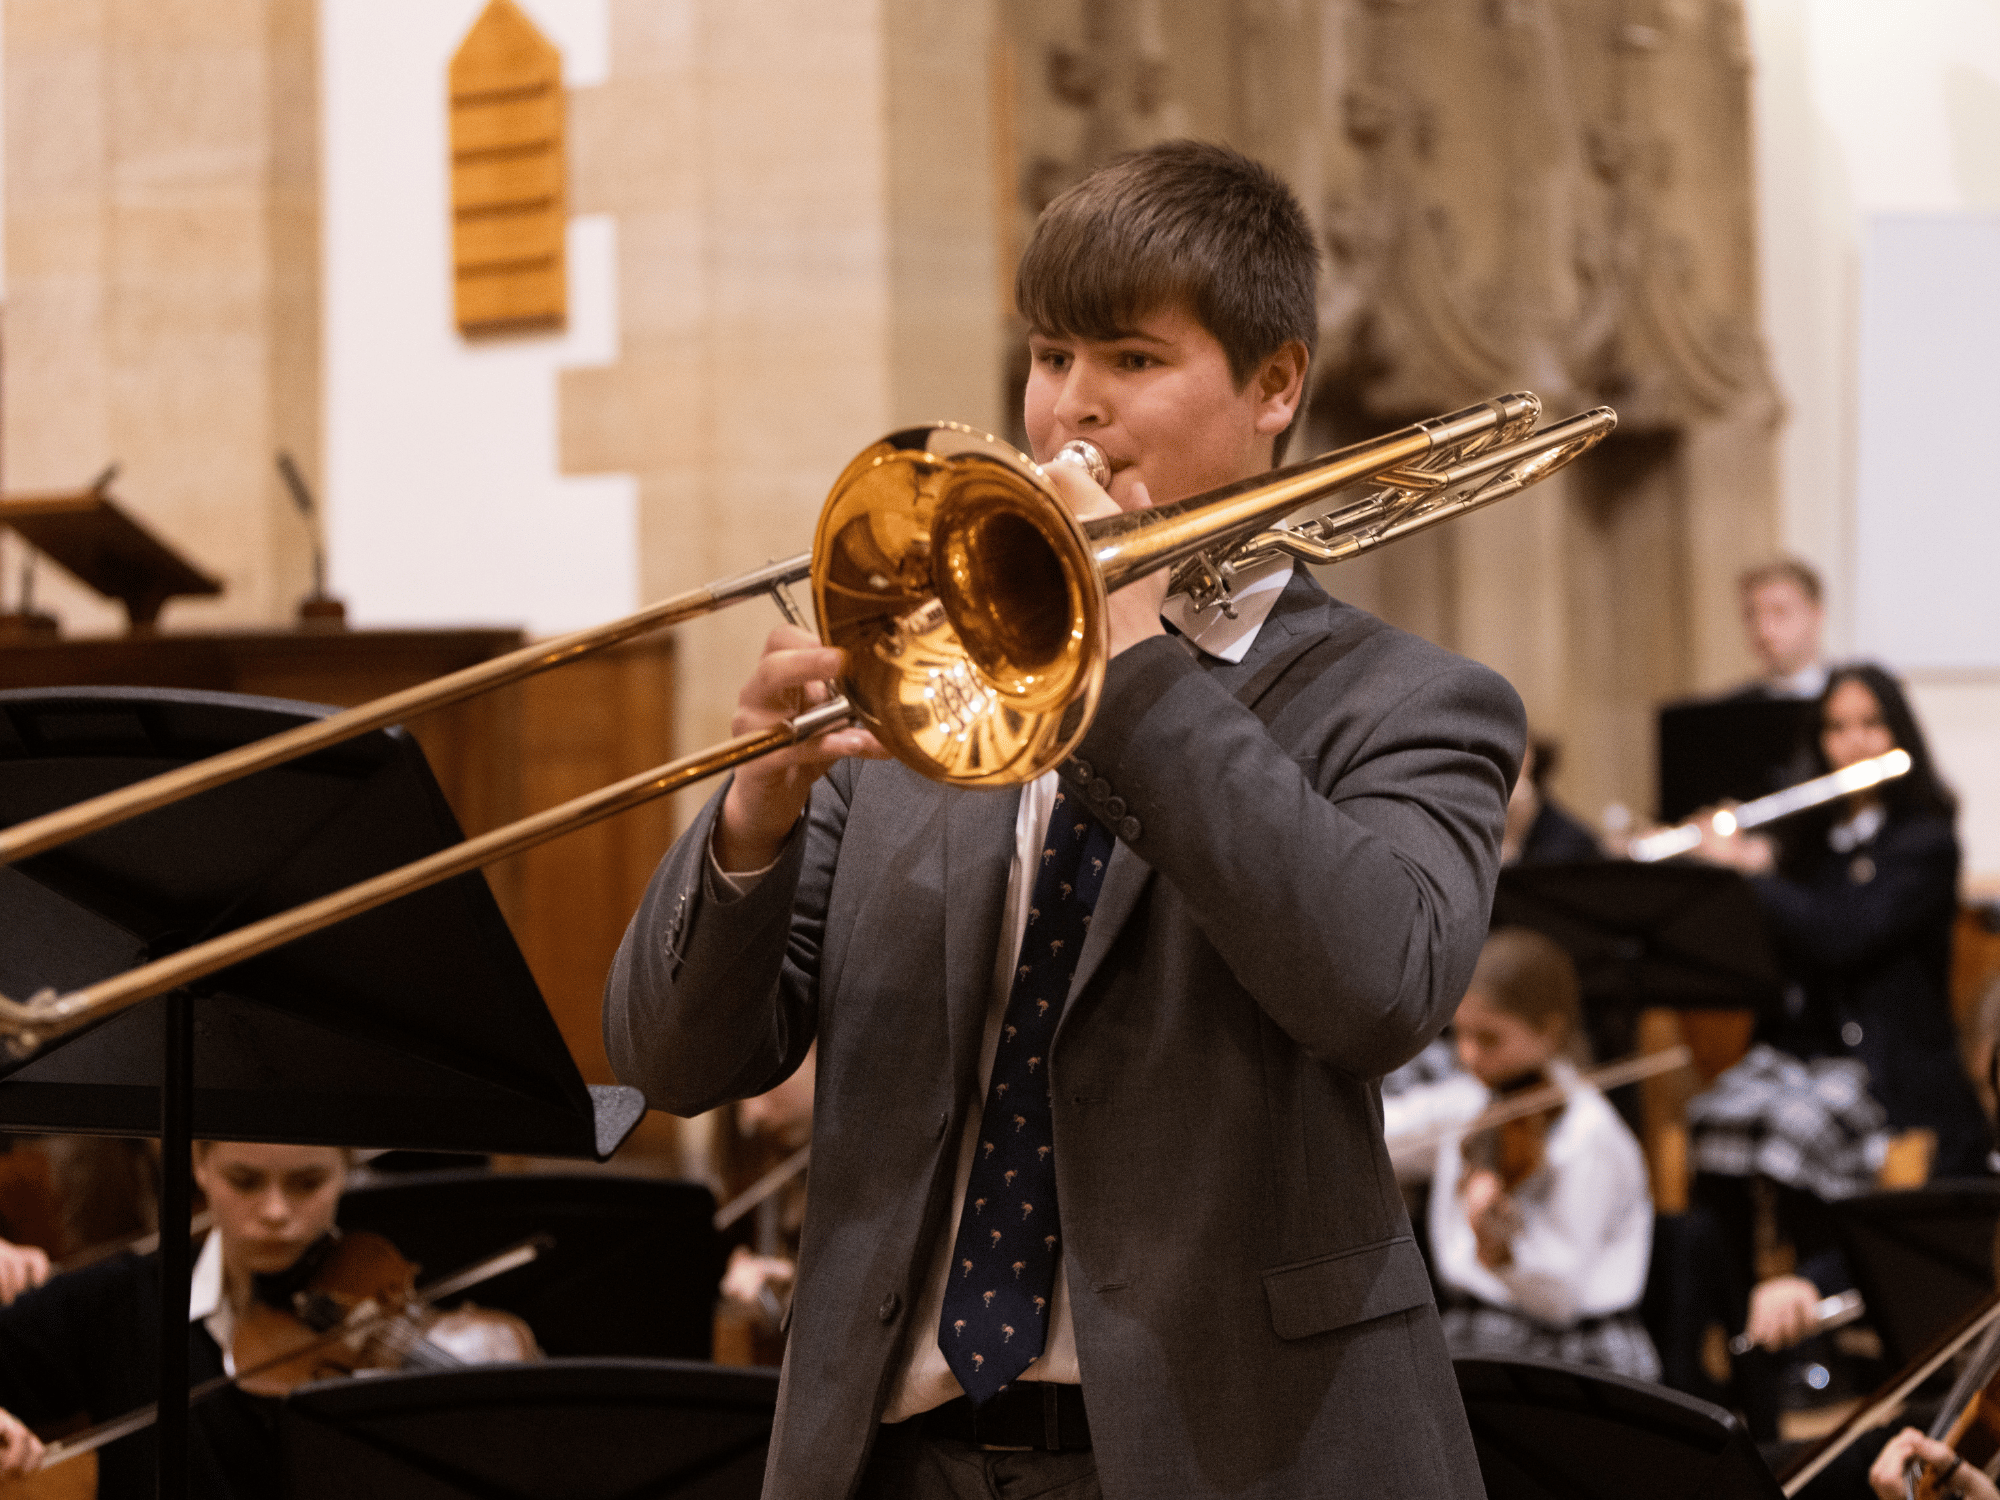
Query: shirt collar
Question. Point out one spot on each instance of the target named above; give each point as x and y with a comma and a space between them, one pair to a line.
1253, 595
206, 1304
205, 1289
1807, 682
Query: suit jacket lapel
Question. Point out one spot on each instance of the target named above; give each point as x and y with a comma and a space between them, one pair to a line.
978, 850
1299, 608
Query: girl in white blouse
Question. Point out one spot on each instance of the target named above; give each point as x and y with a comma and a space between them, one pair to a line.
1545, 1254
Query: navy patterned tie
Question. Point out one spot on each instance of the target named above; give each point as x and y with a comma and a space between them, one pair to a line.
1003, 1265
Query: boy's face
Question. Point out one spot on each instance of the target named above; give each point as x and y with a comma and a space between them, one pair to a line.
1161, 403
1784, 626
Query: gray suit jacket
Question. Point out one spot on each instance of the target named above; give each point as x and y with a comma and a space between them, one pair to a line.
1293, 908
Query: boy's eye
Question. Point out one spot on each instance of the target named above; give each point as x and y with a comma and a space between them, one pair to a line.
1055, 359
1132, 359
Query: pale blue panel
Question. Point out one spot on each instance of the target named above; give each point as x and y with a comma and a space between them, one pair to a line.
1927, 523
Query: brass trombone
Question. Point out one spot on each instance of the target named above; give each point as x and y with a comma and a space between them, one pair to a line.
971, 606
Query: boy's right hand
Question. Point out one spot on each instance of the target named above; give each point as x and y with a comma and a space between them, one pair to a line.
20, 1449
769, 793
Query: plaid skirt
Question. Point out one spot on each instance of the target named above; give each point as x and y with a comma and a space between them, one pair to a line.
1618, 1342
1809, 1125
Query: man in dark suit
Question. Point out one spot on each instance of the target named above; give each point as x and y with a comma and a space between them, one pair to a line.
1299, 812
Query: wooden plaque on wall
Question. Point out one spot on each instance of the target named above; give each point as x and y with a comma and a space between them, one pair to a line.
507, 179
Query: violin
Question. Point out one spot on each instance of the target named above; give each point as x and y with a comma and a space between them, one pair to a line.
356, 1307
1515, 1148
342, 1281
1968, 1423
1976, 1393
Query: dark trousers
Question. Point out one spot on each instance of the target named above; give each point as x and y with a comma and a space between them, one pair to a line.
909, 1464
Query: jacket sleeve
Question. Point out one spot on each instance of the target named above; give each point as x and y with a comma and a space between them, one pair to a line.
1832, 925
712, 999
53, 1338
1346, 876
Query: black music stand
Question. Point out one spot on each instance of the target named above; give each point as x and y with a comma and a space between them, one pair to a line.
1545, 1430
415, 1025
1731, 749
556, 1430
1682, 936
633, 1272
1921, 1258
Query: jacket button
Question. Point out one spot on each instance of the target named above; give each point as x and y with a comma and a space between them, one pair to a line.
1099, 789
1850, 1033
1128, 830
1080, 769
887, 1311
1115, 809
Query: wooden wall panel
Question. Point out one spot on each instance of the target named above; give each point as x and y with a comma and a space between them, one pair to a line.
583, 726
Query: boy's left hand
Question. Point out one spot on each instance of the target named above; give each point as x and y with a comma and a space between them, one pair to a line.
1135, 609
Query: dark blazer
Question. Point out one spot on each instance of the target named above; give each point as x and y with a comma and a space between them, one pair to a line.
1556, 838
1293, 908
87, 1343
1866, 937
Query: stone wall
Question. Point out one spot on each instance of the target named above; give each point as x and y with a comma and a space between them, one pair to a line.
805, 205
163, 280
1543, 194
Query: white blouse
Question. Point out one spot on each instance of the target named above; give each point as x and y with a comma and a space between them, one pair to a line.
1586, 1219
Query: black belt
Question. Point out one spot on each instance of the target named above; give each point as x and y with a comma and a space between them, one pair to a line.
1027, 1414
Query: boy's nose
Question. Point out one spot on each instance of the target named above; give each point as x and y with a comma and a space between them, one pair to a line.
1081, 406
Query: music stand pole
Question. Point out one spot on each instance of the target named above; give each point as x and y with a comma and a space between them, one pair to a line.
176, 1244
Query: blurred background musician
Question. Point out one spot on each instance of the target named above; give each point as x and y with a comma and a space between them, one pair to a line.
1784, 617
84, 1344
1539, 831
1860, 897
1540, 1229
1748, 742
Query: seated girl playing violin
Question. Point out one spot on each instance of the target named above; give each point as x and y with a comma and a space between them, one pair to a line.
86, 1343
1541, 1228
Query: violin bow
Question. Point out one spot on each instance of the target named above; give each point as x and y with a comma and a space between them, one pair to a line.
95, 1437
1888, 1402
763, 1187
1543, 1096
138, 1244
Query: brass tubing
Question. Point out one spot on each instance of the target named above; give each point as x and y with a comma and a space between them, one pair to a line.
1135, 543
35, 835
41, 1020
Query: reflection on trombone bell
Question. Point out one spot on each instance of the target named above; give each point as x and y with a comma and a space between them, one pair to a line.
971, 606
1684, 838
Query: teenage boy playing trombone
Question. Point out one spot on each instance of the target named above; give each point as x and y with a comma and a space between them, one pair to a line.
1100, 1201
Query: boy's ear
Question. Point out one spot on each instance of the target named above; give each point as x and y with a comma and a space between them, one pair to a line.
1280, 384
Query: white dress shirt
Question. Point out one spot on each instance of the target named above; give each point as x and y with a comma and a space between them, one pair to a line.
1586, 1219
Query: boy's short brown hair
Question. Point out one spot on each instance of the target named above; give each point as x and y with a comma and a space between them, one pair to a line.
1182, 222
1792, 570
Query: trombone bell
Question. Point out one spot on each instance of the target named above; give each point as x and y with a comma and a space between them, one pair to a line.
963, 591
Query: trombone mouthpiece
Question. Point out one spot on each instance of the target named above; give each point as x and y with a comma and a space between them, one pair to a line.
1088, 457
